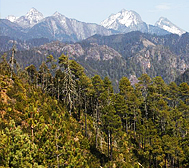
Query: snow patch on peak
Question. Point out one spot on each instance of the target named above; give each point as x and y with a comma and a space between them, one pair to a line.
124, 18
12, 18
33, 10
129, 17
165, 24
34, 15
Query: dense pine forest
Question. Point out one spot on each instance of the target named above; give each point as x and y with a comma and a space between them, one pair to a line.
59, 117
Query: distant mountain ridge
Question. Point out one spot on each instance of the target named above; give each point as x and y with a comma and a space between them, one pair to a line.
55, 27
122, 20
59, 27
126, 21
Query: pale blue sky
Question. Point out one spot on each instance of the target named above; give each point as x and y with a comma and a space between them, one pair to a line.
94, 11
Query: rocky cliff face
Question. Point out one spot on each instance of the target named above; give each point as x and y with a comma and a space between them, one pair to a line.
93, 51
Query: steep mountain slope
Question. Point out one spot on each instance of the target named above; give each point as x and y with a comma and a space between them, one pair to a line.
155, 30
59, 27
167, 25
8, 28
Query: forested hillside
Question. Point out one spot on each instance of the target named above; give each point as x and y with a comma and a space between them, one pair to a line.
131, 55
58, 117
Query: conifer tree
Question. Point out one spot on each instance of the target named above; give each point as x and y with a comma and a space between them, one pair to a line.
43, 76
32, 72
69, 85
111, 124
98, 90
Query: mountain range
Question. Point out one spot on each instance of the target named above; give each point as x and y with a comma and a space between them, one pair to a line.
55, 27
59, 27
126, 21
122, 45
130, 54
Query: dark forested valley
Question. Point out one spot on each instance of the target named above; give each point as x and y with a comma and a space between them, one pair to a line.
55, 115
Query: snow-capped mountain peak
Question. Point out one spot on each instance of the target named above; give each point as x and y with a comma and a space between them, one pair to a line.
122, 18
12, 18
167, 25
32, 17
32, 11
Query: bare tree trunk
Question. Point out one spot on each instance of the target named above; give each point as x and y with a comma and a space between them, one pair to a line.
43, 85
111, 147
108, 144
134, 123
126, 124
145, 108
70, 103
32, 135
57, 157
96, 140
58, 89
149, 159
85, 118
165, 161
178, 163
12, 60
97, 125
101, 142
